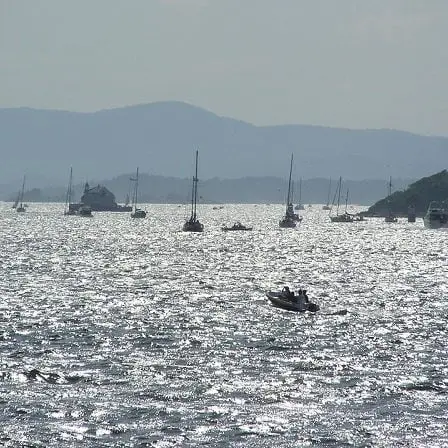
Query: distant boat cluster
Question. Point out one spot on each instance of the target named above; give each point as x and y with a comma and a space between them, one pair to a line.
99, 198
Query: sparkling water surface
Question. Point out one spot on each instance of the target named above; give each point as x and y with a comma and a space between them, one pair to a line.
131, 333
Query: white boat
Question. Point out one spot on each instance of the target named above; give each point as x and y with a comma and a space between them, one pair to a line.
437, 215
193, 224
136, 212
289, 221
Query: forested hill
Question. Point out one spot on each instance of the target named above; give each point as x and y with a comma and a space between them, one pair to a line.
419, 194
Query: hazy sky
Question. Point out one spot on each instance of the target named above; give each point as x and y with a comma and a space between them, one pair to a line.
348, 63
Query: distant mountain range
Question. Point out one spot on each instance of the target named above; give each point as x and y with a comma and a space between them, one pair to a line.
161, 138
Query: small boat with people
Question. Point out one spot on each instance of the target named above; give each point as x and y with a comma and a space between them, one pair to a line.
236, 226
290, 301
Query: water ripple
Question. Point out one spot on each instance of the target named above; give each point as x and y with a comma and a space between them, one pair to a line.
123, 333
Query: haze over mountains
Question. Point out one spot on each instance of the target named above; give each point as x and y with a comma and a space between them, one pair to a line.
161, 138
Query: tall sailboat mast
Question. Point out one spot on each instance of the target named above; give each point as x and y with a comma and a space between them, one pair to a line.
20, 208
194, 196
288, 199
68, 198
136, 212
134, 199
22, 192
339, 194
193, 224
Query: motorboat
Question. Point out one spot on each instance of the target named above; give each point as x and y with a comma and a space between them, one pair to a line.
345, 217
85, 210
437, 215
289, 301
236, 226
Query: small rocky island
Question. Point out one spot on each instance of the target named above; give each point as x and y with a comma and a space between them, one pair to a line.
100, 199
418, 196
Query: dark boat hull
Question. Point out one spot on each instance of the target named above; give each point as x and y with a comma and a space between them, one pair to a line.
235, 229
287, 223
193, 226
138, 213
279, 301
97, 208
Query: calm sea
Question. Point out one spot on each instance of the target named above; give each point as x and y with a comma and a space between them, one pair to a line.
130, 333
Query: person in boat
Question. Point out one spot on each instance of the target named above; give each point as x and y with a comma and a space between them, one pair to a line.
307, 300
301, 299
287, 293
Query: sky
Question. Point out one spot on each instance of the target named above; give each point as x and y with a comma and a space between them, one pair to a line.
342, 63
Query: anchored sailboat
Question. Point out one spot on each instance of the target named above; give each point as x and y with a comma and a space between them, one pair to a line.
345, 217
327, 205
136, 212
20, 208
68, 198
193, 224
288, 220
300, 206
390, 217
71, 208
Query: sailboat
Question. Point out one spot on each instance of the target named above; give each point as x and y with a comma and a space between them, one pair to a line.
68, 198
73, 208
288, 220
300, 206
193, 224
327, 205
136, 212
20, 208
345, 217
290, 211
390, 216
